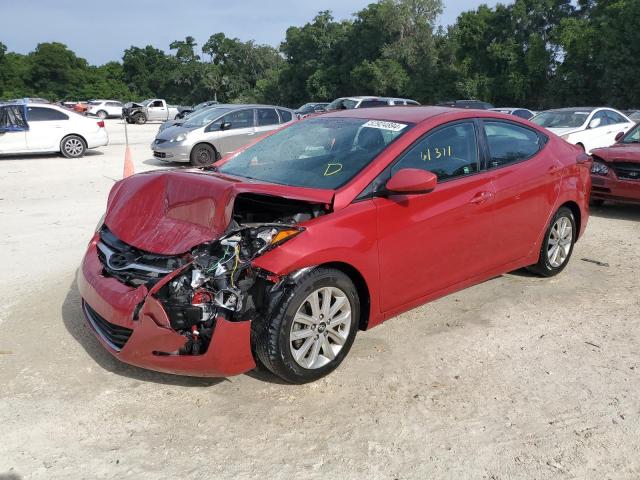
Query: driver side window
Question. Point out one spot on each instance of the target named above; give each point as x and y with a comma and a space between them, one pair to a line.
449, 152
239, 119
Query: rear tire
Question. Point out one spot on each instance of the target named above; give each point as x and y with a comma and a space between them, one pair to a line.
557, 247
73, 146
102, 114
324, 333
202, 155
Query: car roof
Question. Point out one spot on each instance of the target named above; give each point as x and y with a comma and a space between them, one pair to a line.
415, 114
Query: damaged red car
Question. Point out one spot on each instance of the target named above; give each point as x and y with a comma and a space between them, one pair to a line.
280, 253
615, 173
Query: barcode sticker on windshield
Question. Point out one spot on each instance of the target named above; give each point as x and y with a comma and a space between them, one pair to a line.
392, 126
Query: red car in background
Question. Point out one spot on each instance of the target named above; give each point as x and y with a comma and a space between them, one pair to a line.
615, 174
281, 252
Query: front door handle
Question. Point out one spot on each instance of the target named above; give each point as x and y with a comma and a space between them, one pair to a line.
481, 197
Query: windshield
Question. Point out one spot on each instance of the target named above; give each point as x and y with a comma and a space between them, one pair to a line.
146, 102
318, 153
342, 104
561, 119
307, 108
204, 117
633, 136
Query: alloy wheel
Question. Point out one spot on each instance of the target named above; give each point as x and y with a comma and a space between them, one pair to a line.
560, 240
320, 327
73, 147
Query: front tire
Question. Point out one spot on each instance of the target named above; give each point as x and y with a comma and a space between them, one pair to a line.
202, 155
73, 146
140, 118
312, 330
558, 243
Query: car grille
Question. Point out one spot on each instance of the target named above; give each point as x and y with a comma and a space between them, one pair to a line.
627, 170
114, 335
132, 266
159, 154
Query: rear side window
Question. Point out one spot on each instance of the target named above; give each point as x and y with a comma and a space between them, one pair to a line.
285, 115
267, 116
615, 117
373, 103
114, 104
450, 152
509, 143
42, 114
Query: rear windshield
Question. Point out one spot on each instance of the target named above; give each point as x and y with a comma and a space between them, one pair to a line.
319, 152
561, 119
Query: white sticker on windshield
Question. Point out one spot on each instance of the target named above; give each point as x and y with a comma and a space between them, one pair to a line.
392, 126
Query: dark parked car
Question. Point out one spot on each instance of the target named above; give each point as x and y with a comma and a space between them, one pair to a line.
310, 108
477, 104
615, 174
188, 111
333, 224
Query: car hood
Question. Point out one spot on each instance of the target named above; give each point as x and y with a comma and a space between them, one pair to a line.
170, 212
132, 104
564, 131
170, 123
625, 152
171, 132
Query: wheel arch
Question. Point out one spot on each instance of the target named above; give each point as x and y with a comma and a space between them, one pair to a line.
577, 214
362, 288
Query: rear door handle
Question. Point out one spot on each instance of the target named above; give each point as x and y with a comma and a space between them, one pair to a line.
481, 197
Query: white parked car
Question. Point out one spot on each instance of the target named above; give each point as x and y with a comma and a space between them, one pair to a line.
105, 108
586, 127
47, 128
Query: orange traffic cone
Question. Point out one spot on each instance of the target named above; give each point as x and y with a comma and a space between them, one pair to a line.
128, 163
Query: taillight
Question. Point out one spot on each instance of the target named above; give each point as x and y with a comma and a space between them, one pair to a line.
101, 124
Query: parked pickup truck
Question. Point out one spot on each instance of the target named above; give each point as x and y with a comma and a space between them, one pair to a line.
151, 110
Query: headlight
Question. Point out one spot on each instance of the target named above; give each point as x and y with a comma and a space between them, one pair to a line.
566, 136
100, 222
599, 169
180, 138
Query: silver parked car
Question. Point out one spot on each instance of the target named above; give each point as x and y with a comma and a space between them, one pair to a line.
347, 103
216, 131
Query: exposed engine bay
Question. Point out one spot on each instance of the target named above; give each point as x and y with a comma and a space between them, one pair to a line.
216, 279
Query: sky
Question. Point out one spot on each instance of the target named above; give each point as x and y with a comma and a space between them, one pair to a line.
100, 30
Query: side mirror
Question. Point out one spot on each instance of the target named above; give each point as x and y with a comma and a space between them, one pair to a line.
410, 181
225, 126
619, 136
595, 123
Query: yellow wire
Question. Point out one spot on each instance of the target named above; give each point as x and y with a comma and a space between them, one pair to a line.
235, 265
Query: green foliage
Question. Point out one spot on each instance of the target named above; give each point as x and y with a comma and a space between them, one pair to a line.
536, 53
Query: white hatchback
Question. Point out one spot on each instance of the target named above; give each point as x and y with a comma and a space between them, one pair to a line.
586, 127
47, 128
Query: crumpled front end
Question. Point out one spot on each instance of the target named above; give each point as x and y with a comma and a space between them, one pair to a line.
189, 312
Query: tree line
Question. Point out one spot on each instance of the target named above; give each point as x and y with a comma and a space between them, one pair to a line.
534, 53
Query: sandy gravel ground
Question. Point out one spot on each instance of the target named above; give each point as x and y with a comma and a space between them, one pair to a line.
519, 377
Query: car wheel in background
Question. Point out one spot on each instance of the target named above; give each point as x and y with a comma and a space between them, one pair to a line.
102, 114
202, 155
558, 243
596, 202
72, 146
311, 331
140, 118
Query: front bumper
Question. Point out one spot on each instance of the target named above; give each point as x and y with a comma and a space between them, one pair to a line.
612, 188
171, 151
148, 341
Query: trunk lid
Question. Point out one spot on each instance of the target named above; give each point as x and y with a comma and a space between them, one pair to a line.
171, 212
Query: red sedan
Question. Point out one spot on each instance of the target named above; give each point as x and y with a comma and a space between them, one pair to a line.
615, 173
282, 252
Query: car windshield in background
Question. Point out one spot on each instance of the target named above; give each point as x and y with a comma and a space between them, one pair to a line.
633, 136
307, 108
318, 153
342, 104
561, 119
203, 118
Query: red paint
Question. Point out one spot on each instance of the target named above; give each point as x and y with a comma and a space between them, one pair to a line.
408, 248
610, 186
